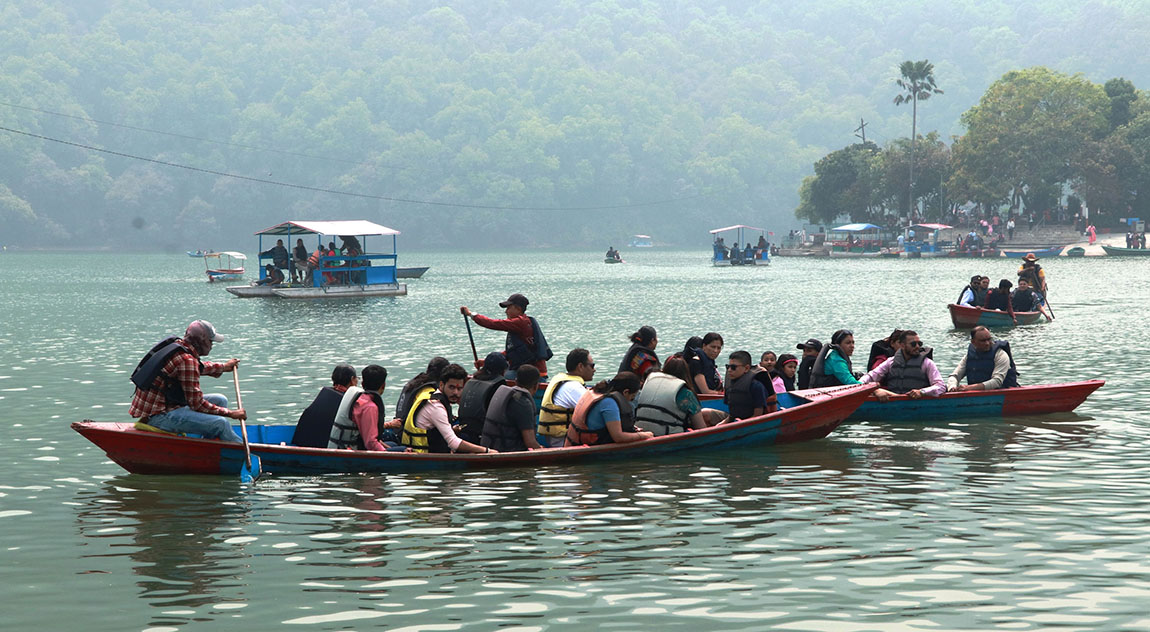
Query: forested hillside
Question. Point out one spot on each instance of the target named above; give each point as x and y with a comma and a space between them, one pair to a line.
603, 118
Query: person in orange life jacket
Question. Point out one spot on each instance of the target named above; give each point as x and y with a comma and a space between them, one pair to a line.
510, 423
435, 416
986, 366
783, 375
605, 414
767, 360
906, 373
704, 371
360, 419
640, 358
1025, 299
999, 299
476, 397
313, 262
521, 346
746, 395
314, 425
562, 396
168, 394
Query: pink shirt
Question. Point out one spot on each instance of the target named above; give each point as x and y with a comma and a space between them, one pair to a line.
365, 414
434, 415
937, 385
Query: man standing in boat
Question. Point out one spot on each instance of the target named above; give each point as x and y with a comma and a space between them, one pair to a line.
525, 342
168, 395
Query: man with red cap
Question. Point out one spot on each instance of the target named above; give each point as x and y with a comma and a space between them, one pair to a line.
525, 342
168, 394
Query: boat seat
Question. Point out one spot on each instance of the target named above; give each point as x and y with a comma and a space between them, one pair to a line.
148, 428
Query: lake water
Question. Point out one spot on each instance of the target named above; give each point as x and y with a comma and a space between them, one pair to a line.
1026, 524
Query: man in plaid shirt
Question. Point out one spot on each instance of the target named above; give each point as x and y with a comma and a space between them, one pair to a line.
174, 401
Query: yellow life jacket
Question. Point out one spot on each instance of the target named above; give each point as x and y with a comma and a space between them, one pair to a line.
553, 420
413, 436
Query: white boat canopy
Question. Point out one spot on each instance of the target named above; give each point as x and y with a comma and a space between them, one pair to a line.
356, 227
736, 227
643, 236
931, 226
229, 253
855, 228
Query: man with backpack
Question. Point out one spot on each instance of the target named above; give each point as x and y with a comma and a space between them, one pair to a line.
525, 342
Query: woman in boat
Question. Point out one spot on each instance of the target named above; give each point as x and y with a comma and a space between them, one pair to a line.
833, 366
640, 359
783, 375
704, 371
880, 350
767, 360
667, 404
605, 414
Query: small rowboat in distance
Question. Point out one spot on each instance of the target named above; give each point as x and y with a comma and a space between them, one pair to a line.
1115, 251
224, 266
199, 253
411, 273
965, 317
1004, 402
146, 452
1052, 251
612, 260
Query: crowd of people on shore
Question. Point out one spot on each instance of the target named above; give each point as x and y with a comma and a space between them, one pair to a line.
445, 408
1029, 296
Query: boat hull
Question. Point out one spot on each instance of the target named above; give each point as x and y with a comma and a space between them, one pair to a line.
1115, 251
1007, 402
1042, 252
142, 452
610, 260
965, 317
411, 273
335, 291
225, 275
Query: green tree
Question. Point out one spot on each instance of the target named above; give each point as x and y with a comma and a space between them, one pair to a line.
917, 84
842, 184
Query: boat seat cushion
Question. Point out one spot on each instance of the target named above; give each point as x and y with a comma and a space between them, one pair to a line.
147, 428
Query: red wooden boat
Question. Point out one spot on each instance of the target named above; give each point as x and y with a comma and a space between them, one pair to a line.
145, 452
965, 317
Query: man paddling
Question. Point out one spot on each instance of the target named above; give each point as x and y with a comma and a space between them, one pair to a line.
525, 342
168, 395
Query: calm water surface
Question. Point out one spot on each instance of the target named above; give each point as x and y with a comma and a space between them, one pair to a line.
1028, 524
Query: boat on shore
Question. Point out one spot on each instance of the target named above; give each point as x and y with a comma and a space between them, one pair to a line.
1115, 251
1052, 251
350, 274
965, 317
224, 266
148, 452
1040, 399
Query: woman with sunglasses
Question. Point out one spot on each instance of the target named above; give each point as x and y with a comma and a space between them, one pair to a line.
833, 366
907, 372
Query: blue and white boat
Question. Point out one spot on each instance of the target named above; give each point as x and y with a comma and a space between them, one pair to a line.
641, 241
344, 274
224, 266
921, 241
723, 254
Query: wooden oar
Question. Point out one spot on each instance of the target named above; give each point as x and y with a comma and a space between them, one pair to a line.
249, 472
470, 337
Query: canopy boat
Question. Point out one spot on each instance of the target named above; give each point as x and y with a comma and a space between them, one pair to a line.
199, 253
148, 452
1115, 251
224, 266
965, 317
724, 255
921, 241
347, 274
1052, 251
856, 240
411, 273
641, 241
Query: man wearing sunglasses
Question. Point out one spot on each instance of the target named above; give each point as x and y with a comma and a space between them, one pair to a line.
908, 372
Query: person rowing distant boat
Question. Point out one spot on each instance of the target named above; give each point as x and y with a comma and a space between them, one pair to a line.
1033, 273
525, 342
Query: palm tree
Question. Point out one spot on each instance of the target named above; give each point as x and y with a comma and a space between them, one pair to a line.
917, 84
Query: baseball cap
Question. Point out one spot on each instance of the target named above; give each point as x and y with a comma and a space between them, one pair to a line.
516, 299
203, 329
811, 343
495, 363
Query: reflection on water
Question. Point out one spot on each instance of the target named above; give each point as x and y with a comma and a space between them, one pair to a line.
1027, 523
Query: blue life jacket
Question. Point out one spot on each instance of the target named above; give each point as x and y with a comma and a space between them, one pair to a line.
980, 366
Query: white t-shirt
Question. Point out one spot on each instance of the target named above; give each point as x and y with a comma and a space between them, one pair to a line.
567, 394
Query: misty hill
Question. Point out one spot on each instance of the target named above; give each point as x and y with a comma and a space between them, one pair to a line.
624, 117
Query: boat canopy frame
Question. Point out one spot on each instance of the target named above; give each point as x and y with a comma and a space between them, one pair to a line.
338, 270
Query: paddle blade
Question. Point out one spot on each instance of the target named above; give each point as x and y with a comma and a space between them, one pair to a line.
250, 474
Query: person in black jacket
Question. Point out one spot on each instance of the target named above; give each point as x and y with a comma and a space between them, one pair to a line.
810, 350
314, 425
